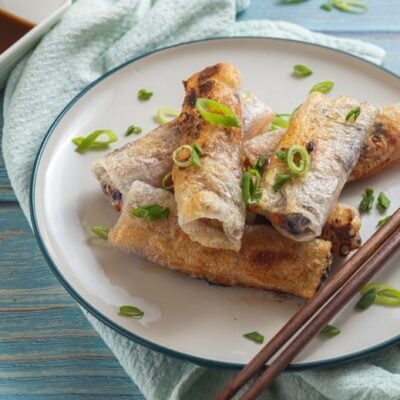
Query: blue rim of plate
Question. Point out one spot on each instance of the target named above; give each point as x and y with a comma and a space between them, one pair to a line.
113, 325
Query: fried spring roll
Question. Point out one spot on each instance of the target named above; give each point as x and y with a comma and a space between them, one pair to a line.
209, 198
266, 260
381, 148
300, 208
149, 158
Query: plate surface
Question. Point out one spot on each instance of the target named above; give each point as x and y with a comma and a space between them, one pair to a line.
186, 317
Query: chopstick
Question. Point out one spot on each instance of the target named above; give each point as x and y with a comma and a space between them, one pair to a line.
348, 279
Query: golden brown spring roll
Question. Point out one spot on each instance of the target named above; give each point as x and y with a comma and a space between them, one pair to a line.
149, 158
209, 198
381, 148
266, 260
300, 208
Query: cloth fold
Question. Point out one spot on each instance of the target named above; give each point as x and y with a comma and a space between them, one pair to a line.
96, 35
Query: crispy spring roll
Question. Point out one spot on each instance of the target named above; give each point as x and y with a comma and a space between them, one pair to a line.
209, 198
381, 148
266, 260
300, 208
149, 158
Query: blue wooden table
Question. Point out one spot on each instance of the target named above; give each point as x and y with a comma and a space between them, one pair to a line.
48, 350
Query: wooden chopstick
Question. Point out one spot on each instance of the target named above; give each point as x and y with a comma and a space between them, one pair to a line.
380, 240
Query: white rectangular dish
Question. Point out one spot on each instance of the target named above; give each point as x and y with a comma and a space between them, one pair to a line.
43, 14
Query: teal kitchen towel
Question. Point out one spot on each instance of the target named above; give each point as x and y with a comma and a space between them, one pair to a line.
96, 35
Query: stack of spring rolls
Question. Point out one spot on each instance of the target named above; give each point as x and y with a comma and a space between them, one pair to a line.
288, 247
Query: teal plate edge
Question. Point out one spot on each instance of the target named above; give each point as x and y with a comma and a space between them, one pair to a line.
154, 346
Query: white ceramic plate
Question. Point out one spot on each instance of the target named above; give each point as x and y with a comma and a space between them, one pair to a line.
183, 316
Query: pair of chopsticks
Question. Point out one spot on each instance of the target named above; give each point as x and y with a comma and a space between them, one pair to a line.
315, 314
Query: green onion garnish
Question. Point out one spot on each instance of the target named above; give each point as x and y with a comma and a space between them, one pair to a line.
383, 221
383, 201
301, 71
132, 129
367, 299
386, 295
322, 87
260, 164
280, 121
165, 114
281, 155
300, 166
367, 201
326, 7
217, 113
100, 231
90, 143
330, 331
167, 183
144, 95
255, 337
151, 212
280, 180
130, 312
353, 114
191, 155
251, 191
353, 6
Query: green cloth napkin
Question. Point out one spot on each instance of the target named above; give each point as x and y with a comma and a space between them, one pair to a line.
96, 35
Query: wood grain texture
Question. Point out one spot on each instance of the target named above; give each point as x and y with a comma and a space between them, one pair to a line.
48, 350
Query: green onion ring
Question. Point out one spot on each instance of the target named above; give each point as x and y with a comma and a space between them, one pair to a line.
188, 161
251, 192
165, 179
90, 142
302, 167
165, 114
217, 113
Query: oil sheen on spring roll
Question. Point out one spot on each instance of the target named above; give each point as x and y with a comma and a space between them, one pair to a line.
209, 198
149, 158
266, 260
381, 147
300, 208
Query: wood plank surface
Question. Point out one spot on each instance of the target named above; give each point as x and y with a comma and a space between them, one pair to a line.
48, 350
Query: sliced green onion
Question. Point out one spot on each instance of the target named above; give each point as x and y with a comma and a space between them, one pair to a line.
383, 221
386, 295
217, 113
281, 155
353, 6
164, 182
132, 129
383, 201
165, 114
193, 157
326, 7
301, 166
151, 212
353, 114
367, 201
187, 160
322, 87
251, 191
144, 95
130, 312
255, 337
280, 121
90, 142
260, 164
100, 231
330, 331
301, 71
280, 180
367, 299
